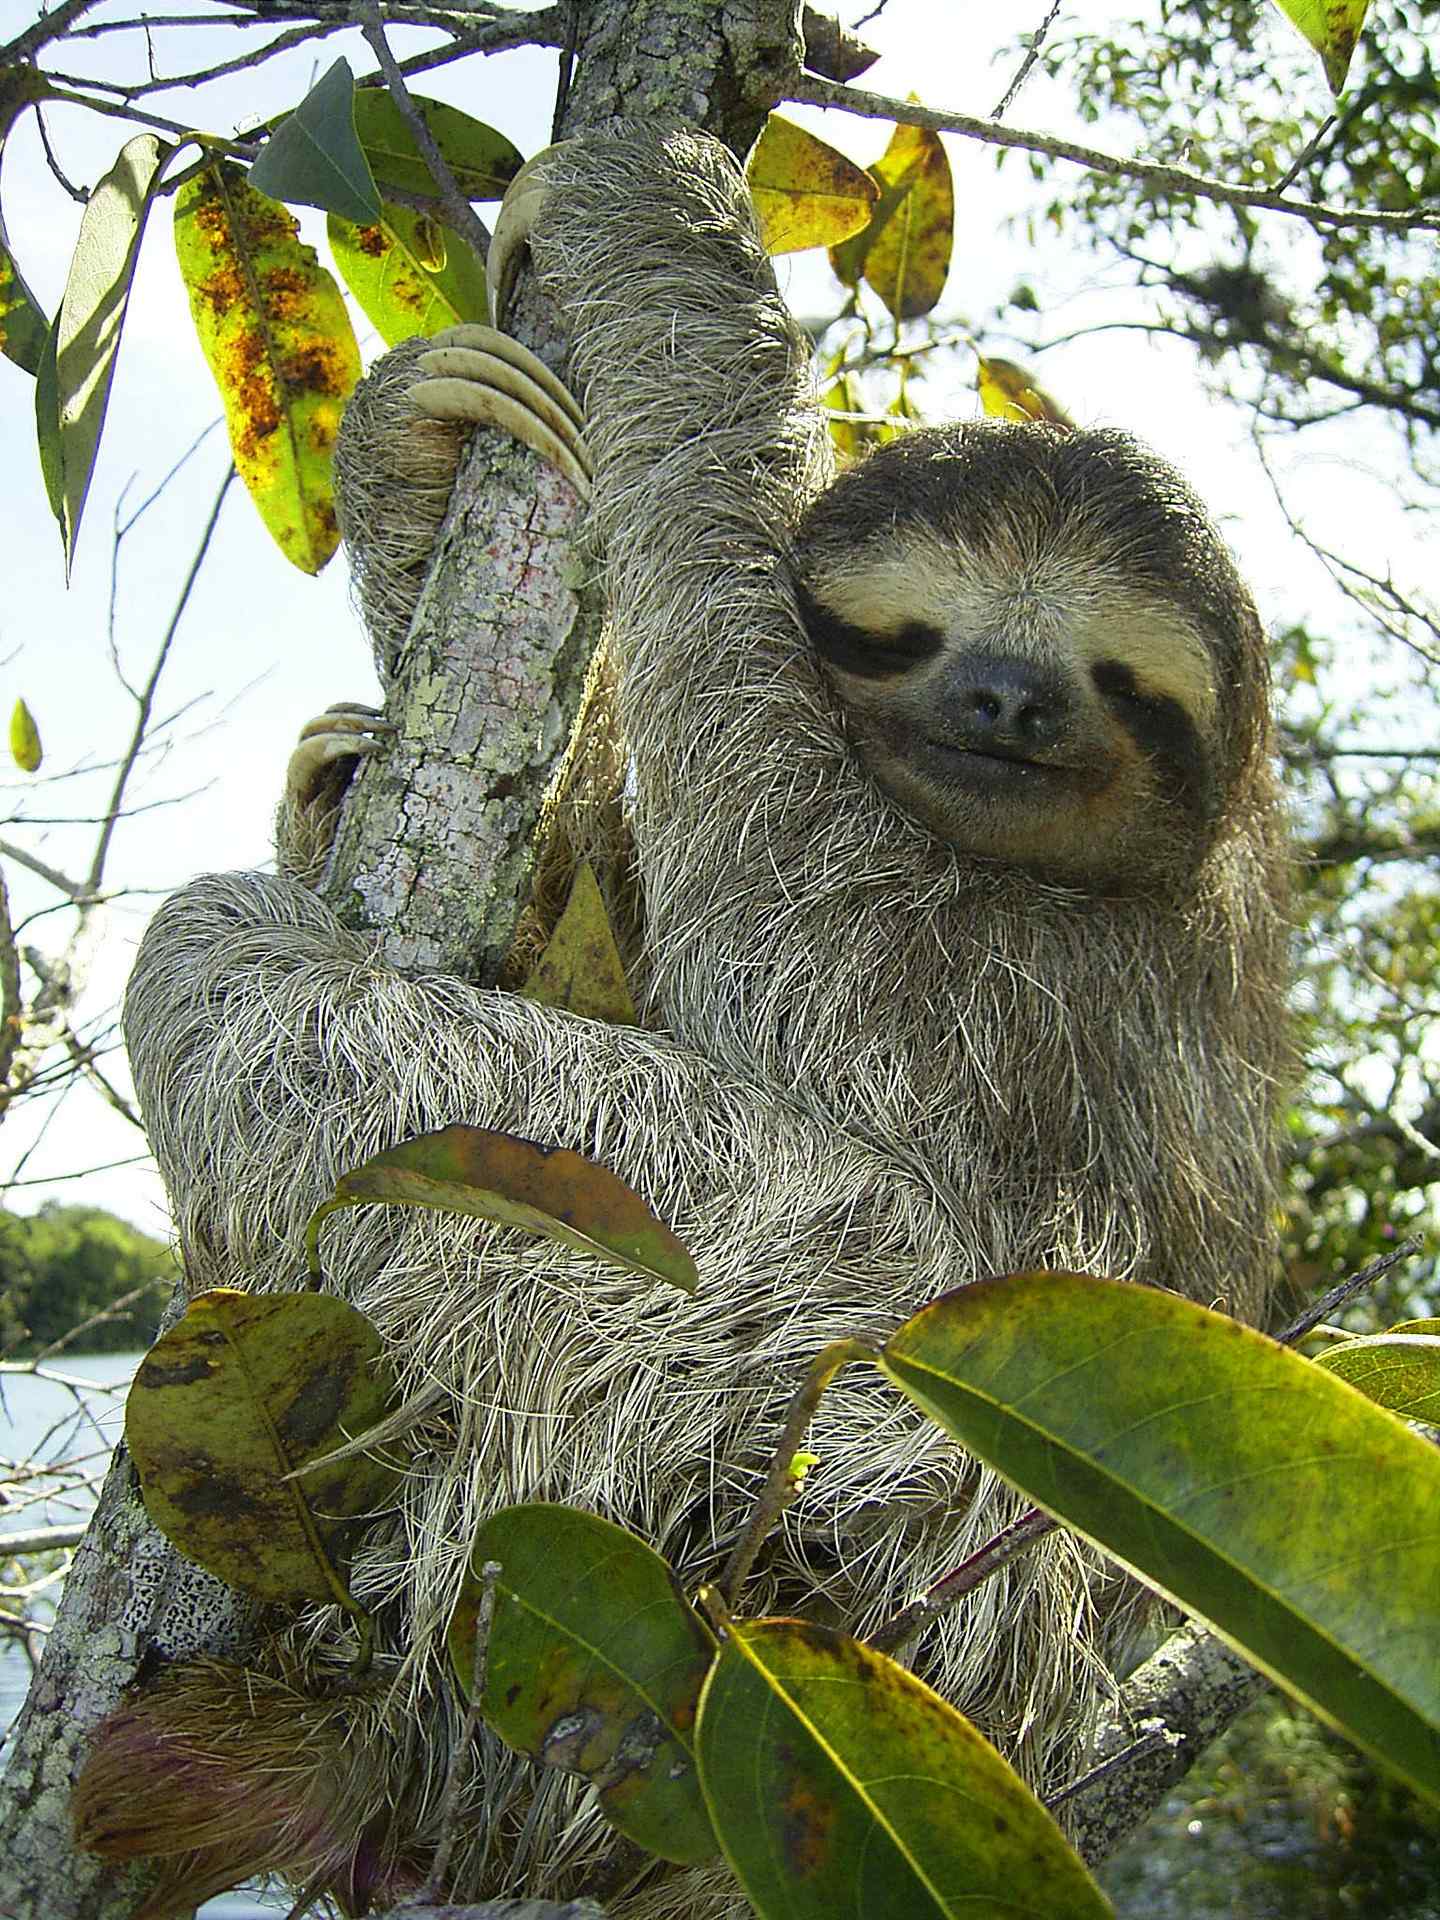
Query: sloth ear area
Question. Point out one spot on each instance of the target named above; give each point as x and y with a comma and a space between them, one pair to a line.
479, 377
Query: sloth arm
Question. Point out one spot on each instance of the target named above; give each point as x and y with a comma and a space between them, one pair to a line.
244, 979
704, 440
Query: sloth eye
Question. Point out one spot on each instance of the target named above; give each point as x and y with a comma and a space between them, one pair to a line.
858, 650
1114, 680
1163, 730
913, 641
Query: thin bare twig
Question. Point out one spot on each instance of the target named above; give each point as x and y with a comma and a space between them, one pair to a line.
1346, 1290
146, 699
1027, 65
815, 92
1032, 1525
463, 216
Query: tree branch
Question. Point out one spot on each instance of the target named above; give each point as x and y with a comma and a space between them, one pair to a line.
815, 92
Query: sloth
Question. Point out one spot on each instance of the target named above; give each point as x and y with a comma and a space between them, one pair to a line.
960, 871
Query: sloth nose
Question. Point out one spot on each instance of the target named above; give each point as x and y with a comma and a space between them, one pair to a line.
1001, 701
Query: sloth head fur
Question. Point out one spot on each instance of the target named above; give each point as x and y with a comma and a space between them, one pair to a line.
1042, 649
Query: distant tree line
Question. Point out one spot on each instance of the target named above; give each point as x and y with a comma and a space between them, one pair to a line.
62, 1266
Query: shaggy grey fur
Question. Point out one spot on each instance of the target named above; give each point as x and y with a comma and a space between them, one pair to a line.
876, 1068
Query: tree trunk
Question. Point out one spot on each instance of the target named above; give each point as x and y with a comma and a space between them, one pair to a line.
433, 857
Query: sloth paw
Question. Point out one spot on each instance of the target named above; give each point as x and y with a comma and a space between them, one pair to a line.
320, 769
483, 378
330, 747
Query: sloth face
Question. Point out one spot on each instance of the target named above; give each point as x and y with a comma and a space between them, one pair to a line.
1041, 648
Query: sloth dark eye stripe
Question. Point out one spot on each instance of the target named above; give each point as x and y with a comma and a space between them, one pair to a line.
857, 650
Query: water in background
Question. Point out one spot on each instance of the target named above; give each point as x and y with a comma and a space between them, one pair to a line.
73, 1429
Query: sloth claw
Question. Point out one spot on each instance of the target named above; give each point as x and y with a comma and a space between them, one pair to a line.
483, 378
519, 211
345, 732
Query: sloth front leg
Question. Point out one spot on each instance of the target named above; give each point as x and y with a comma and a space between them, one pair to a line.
464, 377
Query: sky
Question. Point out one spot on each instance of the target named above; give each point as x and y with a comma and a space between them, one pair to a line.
262, 647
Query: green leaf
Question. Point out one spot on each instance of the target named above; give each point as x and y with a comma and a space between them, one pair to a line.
594, 1663
1332, 27
498, 1176
1400, 1371
840, 1784
409, 275
23, 326
246, 1390
580, 968
315, 157
273, 327
25, 748
483, 161
806, 194
1248, 1484
92, 313
47, 425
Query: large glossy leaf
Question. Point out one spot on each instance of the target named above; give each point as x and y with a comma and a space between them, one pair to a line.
498, 1176
91, 316
594, 1663
409, 273
274, 329
806, 194
482, 161
839, 1784
1332, 27
1248, 1484
244, 1391
314, 156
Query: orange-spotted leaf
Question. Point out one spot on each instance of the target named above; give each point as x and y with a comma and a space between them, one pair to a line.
409, 273
275, 332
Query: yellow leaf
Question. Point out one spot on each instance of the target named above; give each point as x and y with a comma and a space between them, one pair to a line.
25, 748
805, 193
1332, 27
580, 968
275, 332
1011, 392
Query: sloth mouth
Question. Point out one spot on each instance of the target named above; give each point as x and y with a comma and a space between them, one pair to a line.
996, 766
